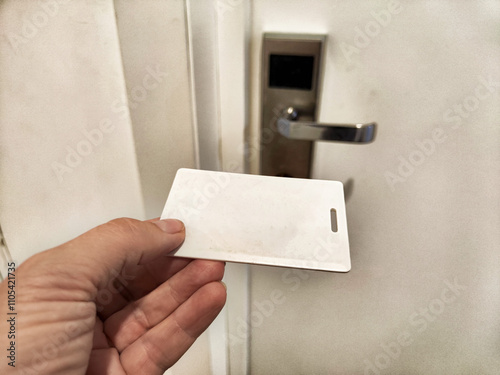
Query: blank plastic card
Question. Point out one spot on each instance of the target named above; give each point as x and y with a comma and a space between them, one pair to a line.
274, 221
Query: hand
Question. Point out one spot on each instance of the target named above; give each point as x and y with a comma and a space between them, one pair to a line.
111, 302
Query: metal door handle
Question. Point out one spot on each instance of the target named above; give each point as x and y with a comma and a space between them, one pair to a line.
290, 127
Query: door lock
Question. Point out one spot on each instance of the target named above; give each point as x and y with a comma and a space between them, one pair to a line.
291, 67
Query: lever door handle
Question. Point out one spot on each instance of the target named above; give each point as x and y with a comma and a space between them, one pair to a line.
291, 127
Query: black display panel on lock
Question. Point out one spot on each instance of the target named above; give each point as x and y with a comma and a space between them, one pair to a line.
290, 77
291, 71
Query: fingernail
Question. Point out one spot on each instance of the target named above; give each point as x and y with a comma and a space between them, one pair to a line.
170, 226
224, 284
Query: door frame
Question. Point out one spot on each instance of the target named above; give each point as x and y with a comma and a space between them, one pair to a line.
218, 36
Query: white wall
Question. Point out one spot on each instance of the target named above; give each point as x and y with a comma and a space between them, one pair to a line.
203, 30
153, 42
70, 67
65, 70
60, 73
218, 32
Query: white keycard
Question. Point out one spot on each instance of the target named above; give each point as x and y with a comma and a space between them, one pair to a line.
275, 221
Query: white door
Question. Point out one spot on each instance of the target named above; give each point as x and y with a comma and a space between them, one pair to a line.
423, 295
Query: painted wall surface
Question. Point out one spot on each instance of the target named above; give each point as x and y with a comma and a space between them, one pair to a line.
95, 119
67, 158
423, 294
218, 32
204, 46
153, 42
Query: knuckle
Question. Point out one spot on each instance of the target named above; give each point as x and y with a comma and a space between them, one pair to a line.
212, 270
121, 232
141, 318
124, 223
122, 226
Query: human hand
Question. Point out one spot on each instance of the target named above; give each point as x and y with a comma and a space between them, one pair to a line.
111, 302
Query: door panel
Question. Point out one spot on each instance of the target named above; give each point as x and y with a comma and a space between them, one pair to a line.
422, 200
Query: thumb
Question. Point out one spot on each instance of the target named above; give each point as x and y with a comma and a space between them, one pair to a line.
104, 251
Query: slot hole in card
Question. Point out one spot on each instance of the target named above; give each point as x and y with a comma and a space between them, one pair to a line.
333, 220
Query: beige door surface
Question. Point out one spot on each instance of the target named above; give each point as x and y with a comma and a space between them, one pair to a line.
422, 200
